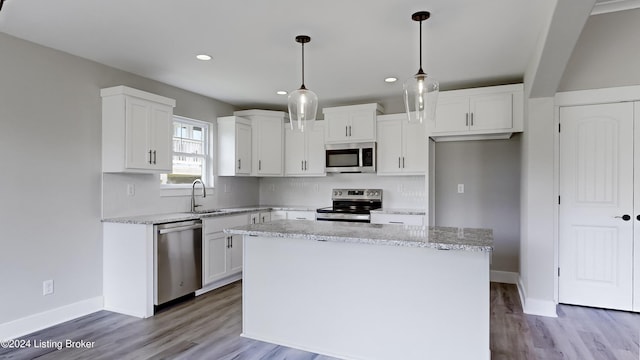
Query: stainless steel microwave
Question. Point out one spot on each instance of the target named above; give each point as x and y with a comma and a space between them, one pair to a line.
351, 158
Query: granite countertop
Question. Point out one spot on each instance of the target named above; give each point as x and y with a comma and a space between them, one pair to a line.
399, 211
200, 214
442, 238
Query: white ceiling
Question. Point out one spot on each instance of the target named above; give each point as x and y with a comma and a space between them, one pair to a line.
355, 44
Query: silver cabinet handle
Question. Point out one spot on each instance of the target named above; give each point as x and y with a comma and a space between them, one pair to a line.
259, 164
301, 164
305, 165
154, 156
403, 162
150, 157
230, 241
239, 164
466, 123
398, 162
349, 130
346, 131
396, 222
471, 119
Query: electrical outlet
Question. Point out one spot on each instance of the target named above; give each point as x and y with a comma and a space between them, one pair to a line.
460, 188
131, 189
47, 287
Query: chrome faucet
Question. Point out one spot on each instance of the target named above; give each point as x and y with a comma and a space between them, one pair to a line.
193, 197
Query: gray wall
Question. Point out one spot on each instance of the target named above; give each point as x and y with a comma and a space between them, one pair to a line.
50, 184
607, 53
490, 172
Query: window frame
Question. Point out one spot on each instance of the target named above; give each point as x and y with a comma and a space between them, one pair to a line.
184, 189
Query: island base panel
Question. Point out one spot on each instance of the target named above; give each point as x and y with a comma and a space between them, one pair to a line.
362, 301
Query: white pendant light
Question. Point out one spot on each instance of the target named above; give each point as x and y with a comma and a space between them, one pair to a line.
421, 91
303, 103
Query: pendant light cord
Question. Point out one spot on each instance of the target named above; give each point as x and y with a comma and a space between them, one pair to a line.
420, 71
302, 87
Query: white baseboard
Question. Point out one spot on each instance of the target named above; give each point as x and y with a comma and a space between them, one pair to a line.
505, 277
538, 307
32, 323
219, 284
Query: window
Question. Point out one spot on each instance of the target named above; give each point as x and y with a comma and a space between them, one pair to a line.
191, 159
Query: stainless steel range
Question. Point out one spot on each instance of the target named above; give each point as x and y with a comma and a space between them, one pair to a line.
352, 205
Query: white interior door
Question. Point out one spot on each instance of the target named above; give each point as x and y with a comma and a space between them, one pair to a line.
596, 189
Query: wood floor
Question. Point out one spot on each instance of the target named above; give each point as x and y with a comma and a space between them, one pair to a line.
208, 327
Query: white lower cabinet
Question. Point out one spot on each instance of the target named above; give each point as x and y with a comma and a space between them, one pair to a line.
222, 253
292, 215
260, 218
301, 215
398, 219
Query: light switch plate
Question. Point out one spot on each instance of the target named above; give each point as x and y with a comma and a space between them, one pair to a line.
460, 188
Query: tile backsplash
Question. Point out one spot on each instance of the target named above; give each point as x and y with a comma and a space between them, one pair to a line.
398, 191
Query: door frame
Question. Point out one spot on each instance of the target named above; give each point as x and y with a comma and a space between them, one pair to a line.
575, 98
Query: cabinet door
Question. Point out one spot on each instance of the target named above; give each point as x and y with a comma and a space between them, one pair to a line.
337, 127
389, 147
265, 217
254, 218
215, 257
243, 149
235, 254
269, 141
362, 126
452, 114
138, 121
315, 158
161, 137
294, 152
414, 152
493, 111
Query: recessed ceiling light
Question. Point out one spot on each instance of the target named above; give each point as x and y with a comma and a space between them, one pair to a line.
281, 92
391, 79
203, 57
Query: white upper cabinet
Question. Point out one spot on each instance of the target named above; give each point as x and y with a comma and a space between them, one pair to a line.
402, 146
481, 113
304, 151
234, 146
355, 123
136, 131
267, 141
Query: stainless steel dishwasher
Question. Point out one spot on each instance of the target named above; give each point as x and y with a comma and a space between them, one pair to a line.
177, 260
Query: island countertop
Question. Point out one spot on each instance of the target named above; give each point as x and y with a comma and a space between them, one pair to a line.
442, 238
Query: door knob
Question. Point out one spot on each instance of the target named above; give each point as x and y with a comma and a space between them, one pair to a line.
625, 217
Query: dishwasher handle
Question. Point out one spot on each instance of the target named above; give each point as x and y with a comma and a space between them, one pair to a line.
179, 228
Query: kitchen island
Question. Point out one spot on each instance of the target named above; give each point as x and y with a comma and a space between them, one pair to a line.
366, 291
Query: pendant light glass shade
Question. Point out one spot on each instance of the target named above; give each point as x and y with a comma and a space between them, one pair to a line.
421, 97
421, 91
303, 103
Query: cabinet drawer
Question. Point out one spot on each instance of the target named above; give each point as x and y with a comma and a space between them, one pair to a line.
398, 219
218, 224
301, 215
